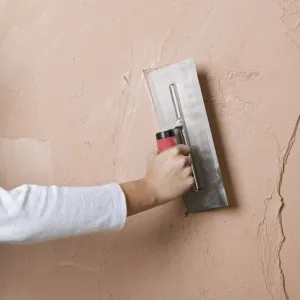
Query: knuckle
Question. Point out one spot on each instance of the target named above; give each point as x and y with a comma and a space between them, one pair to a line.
191, 181
174, 151
182, 161
187, 161
177, 149
189, 170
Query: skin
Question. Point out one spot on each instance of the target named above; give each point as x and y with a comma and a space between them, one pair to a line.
168, 177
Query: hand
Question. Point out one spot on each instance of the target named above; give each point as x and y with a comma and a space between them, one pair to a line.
169, 174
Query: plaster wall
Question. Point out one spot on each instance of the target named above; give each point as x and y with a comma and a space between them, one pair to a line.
75, 110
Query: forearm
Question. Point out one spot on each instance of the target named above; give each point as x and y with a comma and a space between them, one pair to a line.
32, 213
139, 196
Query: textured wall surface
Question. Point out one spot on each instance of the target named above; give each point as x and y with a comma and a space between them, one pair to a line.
75, 110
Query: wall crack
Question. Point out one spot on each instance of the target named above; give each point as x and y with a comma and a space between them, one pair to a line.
280, 181
270, 229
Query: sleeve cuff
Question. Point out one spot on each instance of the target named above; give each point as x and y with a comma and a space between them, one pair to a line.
119, 206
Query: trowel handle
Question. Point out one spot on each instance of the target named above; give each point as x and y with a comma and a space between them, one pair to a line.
165, 140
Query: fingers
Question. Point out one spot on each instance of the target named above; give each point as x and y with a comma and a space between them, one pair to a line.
179, 149
190, 182
182, 161
188, 171
183, 149
188, 161
188, 177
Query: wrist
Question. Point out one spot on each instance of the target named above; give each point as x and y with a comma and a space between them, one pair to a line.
149, 192
140, 196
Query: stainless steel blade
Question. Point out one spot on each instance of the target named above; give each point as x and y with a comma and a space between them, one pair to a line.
190, 112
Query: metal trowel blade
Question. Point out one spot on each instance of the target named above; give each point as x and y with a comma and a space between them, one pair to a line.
183, 76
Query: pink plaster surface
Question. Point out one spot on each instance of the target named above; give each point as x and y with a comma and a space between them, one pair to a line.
75, 110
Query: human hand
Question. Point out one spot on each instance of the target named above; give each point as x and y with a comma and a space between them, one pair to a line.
169, 174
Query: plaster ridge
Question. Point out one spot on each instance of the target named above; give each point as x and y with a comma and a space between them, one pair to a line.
79, 266
119, 124
288, 31
262, 222
20, 138
279, 185
268, 228
260, 227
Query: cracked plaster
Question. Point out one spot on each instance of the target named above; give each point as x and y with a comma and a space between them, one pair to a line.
73, 94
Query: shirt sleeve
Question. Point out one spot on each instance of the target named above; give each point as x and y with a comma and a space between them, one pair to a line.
32, 213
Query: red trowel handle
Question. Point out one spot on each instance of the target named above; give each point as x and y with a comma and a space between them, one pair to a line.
165, 140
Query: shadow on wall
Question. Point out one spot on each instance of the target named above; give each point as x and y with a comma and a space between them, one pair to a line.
218, 137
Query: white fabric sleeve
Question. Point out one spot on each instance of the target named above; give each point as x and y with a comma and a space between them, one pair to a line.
32, 213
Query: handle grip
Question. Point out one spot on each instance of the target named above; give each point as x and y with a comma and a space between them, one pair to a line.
165, 140
170, 138
165, 144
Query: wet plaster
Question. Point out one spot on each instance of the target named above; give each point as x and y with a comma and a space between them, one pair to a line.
75, 110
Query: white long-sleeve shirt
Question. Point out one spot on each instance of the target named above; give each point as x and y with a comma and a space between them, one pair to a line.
32, 213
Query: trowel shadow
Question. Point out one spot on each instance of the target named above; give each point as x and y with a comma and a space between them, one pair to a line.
218, 137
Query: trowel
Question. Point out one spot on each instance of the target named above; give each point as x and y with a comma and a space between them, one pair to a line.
182, 118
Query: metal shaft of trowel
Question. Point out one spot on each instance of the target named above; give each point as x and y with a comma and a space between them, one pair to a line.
180, 124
